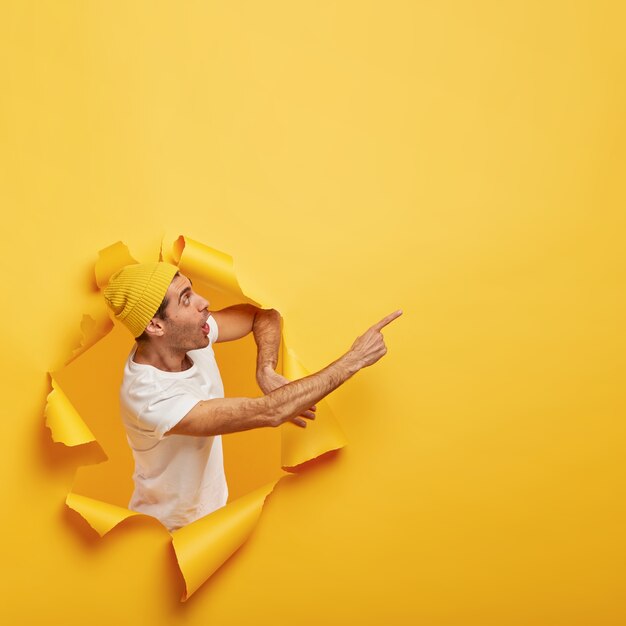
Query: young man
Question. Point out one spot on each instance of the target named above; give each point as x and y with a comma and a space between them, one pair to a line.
172, 397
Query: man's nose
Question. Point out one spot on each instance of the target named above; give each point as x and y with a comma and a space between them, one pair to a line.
203, 303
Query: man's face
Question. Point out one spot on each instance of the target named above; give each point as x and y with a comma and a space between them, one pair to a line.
185, 326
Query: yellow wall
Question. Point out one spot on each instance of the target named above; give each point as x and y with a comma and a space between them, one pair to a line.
461, 160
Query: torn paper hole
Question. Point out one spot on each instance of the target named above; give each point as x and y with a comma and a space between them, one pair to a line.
83, 407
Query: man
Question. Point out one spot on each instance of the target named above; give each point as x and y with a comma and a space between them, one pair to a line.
172, 397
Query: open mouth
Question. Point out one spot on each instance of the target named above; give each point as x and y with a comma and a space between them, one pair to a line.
205, 326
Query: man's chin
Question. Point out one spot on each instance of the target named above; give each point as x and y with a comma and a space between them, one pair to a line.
201, 343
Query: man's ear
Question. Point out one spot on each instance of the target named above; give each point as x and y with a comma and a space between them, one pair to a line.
155, 327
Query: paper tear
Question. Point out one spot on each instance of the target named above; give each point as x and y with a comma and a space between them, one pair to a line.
322, 435
101, 516
63, 420
212, 267
203, 546
110, 260
92, 330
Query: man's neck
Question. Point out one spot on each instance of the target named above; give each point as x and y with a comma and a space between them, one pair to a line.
162, 358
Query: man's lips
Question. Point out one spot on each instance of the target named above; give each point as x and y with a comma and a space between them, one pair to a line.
205, 326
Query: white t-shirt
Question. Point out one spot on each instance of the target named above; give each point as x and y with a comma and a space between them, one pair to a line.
178, 478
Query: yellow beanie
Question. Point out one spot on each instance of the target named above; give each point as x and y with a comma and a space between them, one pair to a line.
135, 293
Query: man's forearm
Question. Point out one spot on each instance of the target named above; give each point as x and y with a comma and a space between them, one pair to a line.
266, 331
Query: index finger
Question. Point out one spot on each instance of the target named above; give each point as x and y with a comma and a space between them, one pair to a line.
387, 320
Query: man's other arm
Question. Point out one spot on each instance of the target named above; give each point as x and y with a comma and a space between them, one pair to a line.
227, 415
237, 321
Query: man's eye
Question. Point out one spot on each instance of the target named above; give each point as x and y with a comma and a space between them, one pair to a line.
187, 299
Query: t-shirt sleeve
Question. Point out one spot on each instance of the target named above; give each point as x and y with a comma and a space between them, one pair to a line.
164, 408
213, 329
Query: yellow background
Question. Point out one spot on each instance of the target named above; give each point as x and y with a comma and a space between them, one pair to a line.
461, 160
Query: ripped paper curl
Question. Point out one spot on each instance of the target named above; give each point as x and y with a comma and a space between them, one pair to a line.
323, 435
63, 420
204, 545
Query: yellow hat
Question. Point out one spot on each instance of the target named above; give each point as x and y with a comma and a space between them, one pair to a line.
135, 293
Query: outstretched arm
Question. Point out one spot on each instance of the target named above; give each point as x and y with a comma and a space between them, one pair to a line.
227, 415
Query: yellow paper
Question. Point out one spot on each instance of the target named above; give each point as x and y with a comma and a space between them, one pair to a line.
110, 260
101, 516
64, 422
320, 436
461, 160
211, 266
204, 545
92, 330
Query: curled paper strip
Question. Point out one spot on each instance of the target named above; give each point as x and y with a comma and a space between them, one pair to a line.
82, 408
101, 516
204, 545
208, 265
63, 420
300, 445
